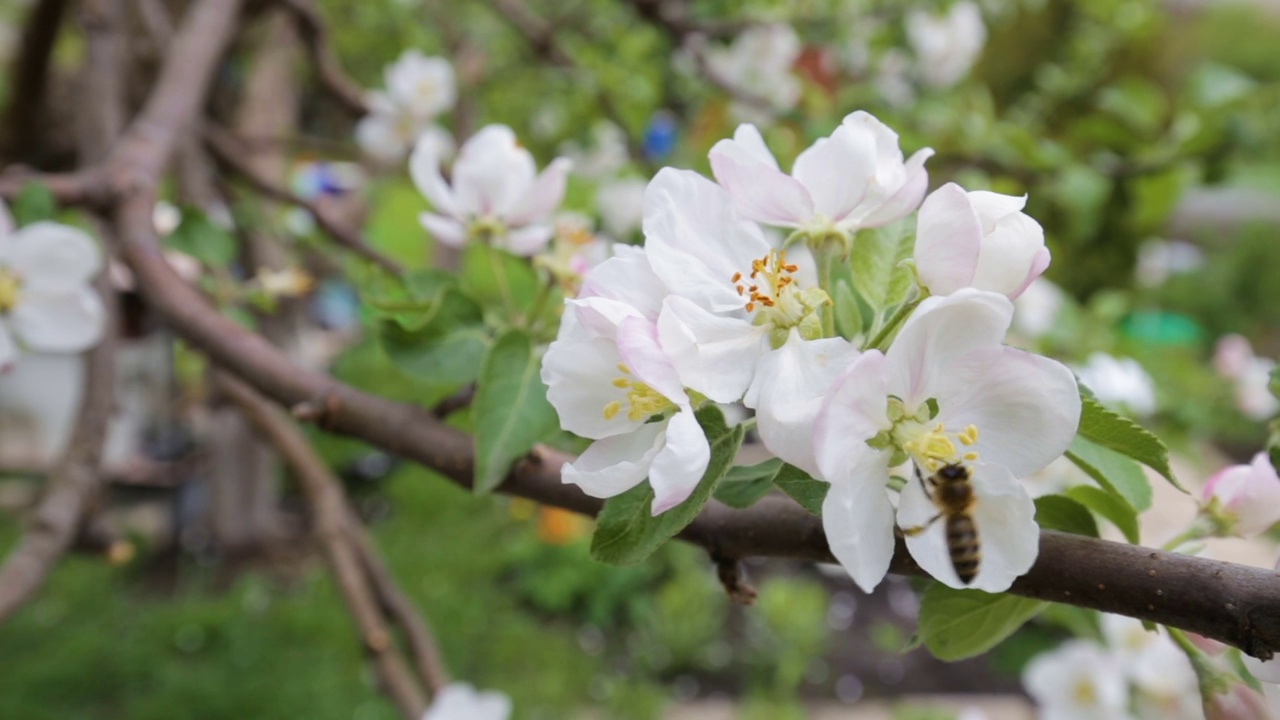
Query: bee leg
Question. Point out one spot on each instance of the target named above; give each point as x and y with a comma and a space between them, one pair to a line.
918, 529
923, 485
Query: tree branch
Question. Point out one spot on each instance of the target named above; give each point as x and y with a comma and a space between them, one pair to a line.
31, 76
333, 78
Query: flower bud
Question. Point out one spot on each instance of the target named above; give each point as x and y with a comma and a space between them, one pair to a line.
1244, 499
1240, 702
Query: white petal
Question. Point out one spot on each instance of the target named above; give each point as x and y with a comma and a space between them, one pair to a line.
948, 240
992, 206
424, 168
750, 174
492, 172
1009, 255
628, 278
526, 241
907, 197
640, 350
459, 701
680, 464
614, 465
837, 171
853, 411
8, 349
61, 323
378, 138
543, 196
1008, 536
579, 369
1026, 407
51, 257
714, 355
696, 241
445, 230
858, 520
788, 390
941, 330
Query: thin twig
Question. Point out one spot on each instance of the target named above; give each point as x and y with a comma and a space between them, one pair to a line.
315, 36
30, 78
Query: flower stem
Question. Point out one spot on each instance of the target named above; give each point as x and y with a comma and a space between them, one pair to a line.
1198, 530
891, 326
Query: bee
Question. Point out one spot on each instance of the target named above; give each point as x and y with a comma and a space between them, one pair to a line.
952, 494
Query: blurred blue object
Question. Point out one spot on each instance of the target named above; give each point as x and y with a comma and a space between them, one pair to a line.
335, 305
660, 136
316, 179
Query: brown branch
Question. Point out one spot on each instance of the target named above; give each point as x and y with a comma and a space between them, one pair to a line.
333, 78
333, 530
30, 77
227, 150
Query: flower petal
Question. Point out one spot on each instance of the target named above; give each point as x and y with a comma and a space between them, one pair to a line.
640, 350
858, 520
445, 230
68, 322
714, 355
948, 240
1004, 516
906, 198
680, 464
614, 465
543, 196
8, 349
492, 172
696, 241
424, 168
526, 241
762, 192
1026, 407
52, 257
837, 171
628, 278
853, 411
579, 369
1010, 253
378, 138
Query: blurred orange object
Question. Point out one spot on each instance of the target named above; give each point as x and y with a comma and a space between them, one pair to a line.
560, 527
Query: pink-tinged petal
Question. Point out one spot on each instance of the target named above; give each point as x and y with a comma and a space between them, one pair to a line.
526, 241
1039, 264
68, 322
579, 369
680, 464
906, 198
750, 140
492, 172
857, 518
1004, 516
948, 240
602, 316
424, 168
788, 390
853, 411
8, 350
761, 191
943, 329
696, 241
445, 230
51, 257
837, 171
543, 196
713, 354
638, 345
614, 465
628, 278
1251, 493
1026, 407
1009, 255
991, 207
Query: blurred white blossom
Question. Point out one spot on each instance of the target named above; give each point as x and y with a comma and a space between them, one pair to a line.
460, 701
1233, 358
621, 206
759, 63
1078, 680
418, 88
946, 46
1036, 310
1119, 382
1158, 260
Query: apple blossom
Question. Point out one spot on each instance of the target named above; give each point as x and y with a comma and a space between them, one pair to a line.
1233, 358
46, 302
460, 701
1156, 666
1158, 260
575, 248
1119, 381
736, 295
948, 45
1079, 680
423, 86
946, 391
611, 381
621, 206
759, 62
977, 239
1246, 498
389, 131
853, 179
496, 195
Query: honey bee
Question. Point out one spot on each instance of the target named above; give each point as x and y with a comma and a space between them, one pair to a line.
952, 494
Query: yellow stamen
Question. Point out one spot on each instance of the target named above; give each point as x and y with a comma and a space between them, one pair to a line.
611, 410
10, 290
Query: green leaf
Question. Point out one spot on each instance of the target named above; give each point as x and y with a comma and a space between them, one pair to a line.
1110, 506
34, 203
802, 488
743, 485
498, 280
875, 262
848, 317
627, 531
510, 408
197, 236
1274, 384
1103, 427
959, 624
1058, 512
1113, 471
405, 297
443, 345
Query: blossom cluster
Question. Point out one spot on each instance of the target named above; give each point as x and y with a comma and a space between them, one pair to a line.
719, 307
418, 88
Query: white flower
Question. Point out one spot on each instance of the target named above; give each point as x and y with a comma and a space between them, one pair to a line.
946, 392
497, 194
1077, 681
460, 701
853, 179
946, 46
1248, 495
46, 302
1232, 355
977, 239
736, 296
611, 381
1120, 382
759, 62
1035, 311
422, 85
390, 130
1151, 660
574, 250
608, 153
1158, 260
621, 206
1233, 358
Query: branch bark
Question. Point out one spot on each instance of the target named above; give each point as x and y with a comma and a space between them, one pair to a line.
30, 77
333, 78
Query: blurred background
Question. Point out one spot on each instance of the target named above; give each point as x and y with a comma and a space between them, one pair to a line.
1146, 134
